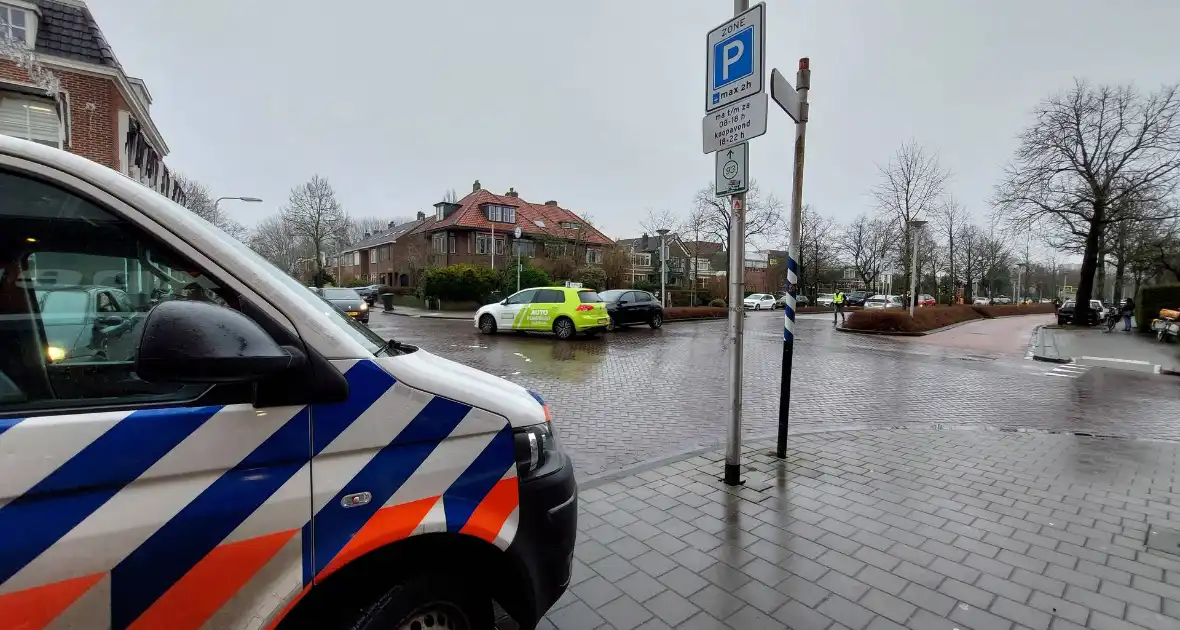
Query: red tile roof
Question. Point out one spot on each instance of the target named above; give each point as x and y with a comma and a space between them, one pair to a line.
471, 215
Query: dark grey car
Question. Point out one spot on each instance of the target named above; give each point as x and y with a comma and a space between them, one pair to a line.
347, 300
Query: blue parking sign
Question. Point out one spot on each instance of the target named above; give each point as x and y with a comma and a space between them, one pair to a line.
733, 58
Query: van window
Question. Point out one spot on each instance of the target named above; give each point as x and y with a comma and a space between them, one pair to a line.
76, 283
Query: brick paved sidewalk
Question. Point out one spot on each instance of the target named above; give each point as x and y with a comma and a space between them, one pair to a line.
882, 529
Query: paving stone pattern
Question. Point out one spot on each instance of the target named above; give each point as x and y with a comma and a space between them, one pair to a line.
885, 529
627, 397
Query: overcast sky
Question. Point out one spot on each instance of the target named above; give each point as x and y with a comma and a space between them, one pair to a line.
598, 103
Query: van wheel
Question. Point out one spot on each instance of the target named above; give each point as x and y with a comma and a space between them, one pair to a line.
564, 328
487, 324
429, 601
657, 320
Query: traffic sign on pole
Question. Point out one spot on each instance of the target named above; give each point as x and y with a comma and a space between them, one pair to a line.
731, 170
735, 124
785, 95
733, 61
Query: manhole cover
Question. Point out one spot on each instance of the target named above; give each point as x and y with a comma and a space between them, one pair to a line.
1163, 539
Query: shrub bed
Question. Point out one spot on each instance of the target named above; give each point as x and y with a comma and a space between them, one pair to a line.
931, 317
694, 312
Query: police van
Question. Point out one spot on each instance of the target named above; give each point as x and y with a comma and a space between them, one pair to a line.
190, 438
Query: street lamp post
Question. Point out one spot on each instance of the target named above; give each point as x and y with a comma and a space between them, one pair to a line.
916, 227
663, 232
246, 199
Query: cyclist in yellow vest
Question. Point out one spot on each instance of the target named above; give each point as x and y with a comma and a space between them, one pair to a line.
838, 304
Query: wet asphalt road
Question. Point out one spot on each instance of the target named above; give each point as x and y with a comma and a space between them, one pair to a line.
641, 394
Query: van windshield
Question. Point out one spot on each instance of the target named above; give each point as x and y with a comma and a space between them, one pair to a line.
353, 328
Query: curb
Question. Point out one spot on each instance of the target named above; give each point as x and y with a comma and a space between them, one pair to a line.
394, 312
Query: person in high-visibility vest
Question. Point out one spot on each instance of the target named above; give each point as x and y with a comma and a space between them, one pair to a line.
838, 303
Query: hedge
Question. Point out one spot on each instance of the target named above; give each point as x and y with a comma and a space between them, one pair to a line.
931, 317
1151, 299
695, 312
461, 282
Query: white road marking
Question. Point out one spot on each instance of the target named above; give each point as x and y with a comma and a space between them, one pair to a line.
1113, 360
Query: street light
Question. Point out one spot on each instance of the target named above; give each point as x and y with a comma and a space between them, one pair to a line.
916, 227
663, 264
246, 199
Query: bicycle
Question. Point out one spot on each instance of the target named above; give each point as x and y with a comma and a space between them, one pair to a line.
1112, 319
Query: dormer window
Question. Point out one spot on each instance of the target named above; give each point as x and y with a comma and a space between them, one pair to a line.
569, 225
497, 213
15, 24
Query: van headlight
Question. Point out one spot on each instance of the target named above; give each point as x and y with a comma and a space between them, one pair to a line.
536, 451
364, 305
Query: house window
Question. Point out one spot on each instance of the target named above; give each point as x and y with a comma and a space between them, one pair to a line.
438, 213
14, 24
372, 255
569, 225
439, 242
451, 244
555, 249
31, 119
641, 260
525, 248
500, 214
483, 244
594, 256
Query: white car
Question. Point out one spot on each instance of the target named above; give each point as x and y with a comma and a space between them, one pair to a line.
759, 301
884, 301
825, 299
981, 301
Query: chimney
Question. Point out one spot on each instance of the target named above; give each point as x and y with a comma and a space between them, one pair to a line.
367, 235
475, 187
511, 193
391, 223
551, 202
644, 246
421, 215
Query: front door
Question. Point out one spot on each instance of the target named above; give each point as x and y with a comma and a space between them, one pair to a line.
125, 503
509, 315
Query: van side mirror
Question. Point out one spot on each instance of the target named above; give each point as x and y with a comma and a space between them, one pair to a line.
197, 342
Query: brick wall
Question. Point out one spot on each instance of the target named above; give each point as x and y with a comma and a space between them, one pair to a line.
92, 132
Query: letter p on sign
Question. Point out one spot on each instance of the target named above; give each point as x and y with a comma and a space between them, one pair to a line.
733, 58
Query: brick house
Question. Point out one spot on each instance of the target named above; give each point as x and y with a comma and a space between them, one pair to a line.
480, 227
99, 112
469, 231
393, 257
686, 260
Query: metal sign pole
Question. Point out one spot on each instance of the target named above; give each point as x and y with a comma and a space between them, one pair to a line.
803, 83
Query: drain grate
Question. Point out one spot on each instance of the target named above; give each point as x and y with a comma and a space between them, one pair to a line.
1163, 539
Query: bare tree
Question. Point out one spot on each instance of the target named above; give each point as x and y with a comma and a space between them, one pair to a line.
868, 245
910, 187
695, 229
276, 241
948, 219
358, 227
1087, 152
315, 216
817, 251
764, 215
451, 196
199, 200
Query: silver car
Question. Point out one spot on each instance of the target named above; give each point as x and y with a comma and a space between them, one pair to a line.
883, 301
347, 300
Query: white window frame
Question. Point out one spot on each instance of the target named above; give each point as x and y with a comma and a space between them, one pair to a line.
28, 100
438, 213
525, 248
641, 260
439, 242
481, 244
594, 255
30, 27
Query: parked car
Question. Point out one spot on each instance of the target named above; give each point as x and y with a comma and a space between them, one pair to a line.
824, 300
1066, 312
884, 301
981, 301
780, 300
369, 293
628, 307
347, 300
856, 298
88, 324
1001, 299
759, 302
925, 299
565, 311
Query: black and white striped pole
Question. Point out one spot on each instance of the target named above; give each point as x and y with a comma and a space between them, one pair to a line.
794, 102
